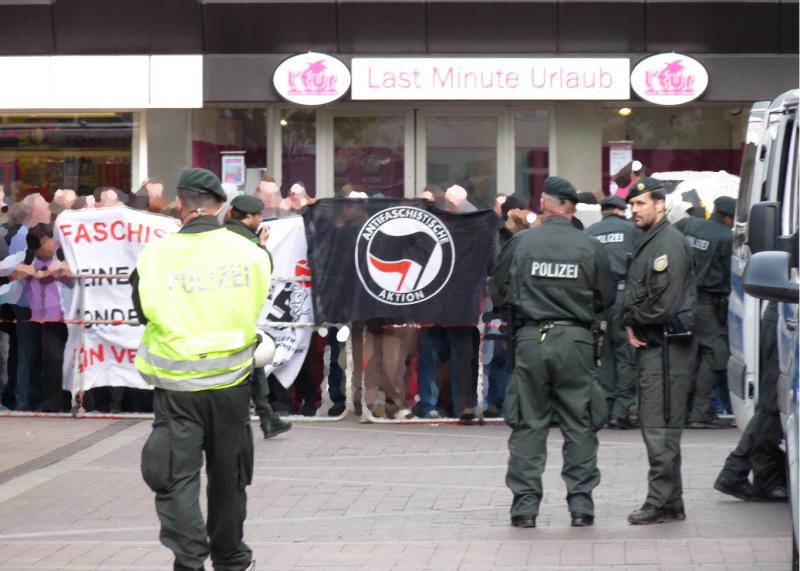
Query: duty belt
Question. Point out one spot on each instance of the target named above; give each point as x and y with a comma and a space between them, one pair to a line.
553, 322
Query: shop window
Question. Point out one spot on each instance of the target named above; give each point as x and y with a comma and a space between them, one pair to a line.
531, 140
299, 149
463, 151
218, 130
368, 154
678, 139
42, 153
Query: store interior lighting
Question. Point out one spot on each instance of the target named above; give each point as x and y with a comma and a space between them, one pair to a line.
625, 111
284, 122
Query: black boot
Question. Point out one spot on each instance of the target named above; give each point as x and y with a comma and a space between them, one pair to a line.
274, 425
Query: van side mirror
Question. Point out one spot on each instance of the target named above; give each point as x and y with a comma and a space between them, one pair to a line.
762, 232
767, 277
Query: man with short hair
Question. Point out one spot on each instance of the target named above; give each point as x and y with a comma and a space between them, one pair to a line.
244, 218
712, 244
555, 280
659, 295
617, 371
199, 293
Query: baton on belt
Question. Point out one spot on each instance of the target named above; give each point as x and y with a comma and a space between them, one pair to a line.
665, 381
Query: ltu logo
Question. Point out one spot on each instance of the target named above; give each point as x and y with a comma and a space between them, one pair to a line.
404, 255
672, 79
313, 80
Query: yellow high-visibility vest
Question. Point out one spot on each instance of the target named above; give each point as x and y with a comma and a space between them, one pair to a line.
202, 294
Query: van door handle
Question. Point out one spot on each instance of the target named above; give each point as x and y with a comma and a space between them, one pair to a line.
791, 324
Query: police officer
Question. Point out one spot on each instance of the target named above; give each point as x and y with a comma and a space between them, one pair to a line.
659, 294
556, 280
244, 218
617, 371
712, 243
200, 291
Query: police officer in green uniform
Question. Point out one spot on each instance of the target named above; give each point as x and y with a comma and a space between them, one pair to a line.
556, 280
712, 243
244, 218
617, 370
200, 292
659, 295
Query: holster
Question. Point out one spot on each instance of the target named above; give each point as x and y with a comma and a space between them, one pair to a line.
599, 329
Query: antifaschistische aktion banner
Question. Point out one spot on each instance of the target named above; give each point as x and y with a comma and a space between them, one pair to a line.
398, 259
105, 241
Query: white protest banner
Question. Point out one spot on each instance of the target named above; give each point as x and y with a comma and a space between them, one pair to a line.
288, 301
105, 241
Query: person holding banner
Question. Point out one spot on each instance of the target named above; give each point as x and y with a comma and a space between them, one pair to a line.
555, 280
199, 293
244, 218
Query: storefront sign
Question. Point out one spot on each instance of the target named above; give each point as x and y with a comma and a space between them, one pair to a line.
490, 78
233, 169
311, 79
669, 79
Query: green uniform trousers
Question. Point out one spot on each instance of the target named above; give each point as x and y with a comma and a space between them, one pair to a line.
617, 372
712, 360
555, 374
662, 436
188, 424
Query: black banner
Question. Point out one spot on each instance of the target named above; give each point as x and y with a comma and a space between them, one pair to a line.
397, 259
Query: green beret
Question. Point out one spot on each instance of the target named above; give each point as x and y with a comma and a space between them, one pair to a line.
610, 202
725, 205
247, 204
201, 180
560, 188
644, 185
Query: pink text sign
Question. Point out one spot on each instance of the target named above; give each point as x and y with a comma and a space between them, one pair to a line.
490, 78
311, 78
669, 79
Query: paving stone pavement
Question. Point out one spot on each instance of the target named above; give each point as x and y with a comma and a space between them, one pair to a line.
344, 496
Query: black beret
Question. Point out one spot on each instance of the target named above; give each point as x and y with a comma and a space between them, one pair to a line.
725, 205
645, 185
202, 180
247, 204
610, 202
560, 188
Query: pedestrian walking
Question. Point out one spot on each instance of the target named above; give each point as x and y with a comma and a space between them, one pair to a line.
199, 292
712, 244
554, 280
659, 295
617, 370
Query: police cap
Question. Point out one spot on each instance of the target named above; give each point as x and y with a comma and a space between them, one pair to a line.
725, 205
201, 180
247, 204
611, 202
560, 188
645, 185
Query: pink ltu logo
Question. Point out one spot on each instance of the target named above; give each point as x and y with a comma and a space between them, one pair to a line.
313, 80
672, 79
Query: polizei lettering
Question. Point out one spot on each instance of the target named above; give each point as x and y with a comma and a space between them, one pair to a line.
613, 238
697, 243
223, 276
554, 270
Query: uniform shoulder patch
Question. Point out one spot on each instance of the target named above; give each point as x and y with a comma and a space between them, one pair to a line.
661, 263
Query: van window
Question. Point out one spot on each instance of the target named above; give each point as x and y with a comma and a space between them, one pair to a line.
789, 221
755, 130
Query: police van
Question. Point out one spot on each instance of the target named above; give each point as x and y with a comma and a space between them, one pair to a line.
765, 267
767, 202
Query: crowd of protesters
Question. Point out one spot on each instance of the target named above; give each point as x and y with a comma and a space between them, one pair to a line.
396, 372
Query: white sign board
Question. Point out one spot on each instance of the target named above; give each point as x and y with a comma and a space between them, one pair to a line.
487, 79
105, 241
312, 78
669, 79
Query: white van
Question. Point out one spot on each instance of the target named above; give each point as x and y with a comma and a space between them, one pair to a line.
769, 180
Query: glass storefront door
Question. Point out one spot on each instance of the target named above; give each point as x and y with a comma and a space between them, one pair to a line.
369, 154
398, 152
462, 150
